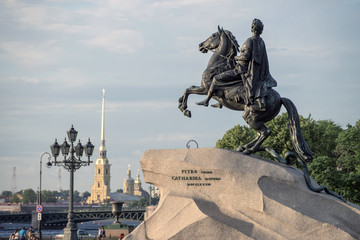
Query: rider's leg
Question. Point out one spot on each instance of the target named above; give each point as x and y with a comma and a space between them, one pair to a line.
226, 76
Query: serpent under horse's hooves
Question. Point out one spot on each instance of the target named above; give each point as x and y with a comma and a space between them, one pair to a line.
225, 47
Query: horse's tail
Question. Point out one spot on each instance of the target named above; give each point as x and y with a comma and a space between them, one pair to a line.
300, 145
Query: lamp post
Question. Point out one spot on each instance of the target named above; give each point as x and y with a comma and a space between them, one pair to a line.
71, 164
151, 190
39, 196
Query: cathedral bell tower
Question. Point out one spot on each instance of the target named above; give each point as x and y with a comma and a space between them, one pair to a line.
100, 190
137, 186
128, 183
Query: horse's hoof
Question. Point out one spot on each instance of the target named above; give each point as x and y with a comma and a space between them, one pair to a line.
187, 113
203, 103
240, 148
247, 152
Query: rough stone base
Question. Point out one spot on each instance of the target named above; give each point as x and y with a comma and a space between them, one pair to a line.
219, 194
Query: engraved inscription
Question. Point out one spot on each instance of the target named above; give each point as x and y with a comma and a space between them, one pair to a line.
195, 177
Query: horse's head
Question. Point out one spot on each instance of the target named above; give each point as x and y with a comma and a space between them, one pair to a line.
222, 42
211, 42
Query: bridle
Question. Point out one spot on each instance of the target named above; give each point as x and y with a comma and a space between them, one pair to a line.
226, 57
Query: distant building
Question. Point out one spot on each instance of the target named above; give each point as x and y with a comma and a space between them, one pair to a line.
100, 190
128, 183
137, 185
4, 200
132, 187
154, 192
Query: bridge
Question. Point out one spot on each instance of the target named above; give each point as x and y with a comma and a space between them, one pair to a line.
60, 218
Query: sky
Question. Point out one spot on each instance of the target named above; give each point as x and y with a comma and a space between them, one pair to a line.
56, 56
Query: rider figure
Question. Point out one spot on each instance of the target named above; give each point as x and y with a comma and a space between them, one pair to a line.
252, 69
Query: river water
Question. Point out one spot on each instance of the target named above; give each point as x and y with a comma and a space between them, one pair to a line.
91, 227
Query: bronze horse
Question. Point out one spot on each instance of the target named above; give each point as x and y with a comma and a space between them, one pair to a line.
225, 47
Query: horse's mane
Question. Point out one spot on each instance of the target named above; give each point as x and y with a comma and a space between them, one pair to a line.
232, 39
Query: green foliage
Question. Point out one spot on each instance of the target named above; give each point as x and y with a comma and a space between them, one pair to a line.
235, 137
48, 196
336, 161
279, 139
28, 196
85, 195
76, 196
321, 136
64, 194
155, 200
348, 148
6, 193
348, 162
324, 171
14, 198
142, 202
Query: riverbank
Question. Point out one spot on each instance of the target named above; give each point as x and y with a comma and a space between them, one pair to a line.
49, 234
53, 238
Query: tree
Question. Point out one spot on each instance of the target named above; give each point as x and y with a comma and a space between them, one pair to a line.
28, 196
336, 162
14, 198
348, 148
64, 194
324, 171
48, 196
142, 202
320, 135
76, 196
155, 200
85, 195
348, 162
6, 193
235, 137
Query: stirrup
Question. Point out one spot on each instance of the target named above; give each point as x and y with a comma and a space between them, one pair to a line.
203, 103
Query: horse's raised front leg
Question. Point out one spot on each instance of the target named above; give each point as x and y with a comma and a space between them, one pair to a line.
183, 100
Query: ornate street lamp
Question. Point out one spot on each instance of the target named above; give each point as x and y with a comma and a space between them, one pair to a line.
71, 163
39, 196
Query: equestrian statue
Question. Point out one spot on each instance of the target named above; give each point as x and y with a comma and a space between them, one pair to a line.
244, 83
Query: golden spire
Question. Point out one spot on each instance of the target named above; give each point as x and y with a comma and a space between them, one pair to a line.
102, 145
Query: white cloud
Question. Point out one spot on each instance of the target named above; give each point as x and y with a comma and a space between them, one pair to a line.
34, 80
137, 153
7, 159
32, 54
188, 44
171, 4
46, 18
167, 137
38, 16
123, 41
308, 51
139, 106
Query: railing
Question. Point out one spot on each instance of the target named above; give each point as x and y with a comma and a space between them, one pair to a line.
60, 218
15, 218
